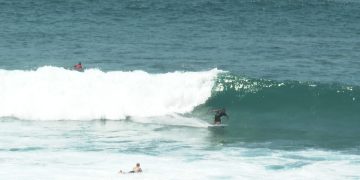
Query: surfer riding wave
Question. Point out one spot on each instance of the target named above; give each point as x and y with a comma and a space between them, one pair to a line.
218, 114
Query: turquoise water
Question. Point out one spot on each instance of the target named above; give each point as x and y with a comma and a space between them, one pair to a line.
297, 40
286, 71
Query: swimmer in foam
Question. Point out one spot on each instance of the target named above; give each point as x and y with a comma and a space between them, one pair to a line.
218, 114
136, 169
78, 67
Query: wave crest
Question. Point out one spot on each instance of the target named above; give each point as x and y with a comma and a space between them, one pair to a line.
53, 93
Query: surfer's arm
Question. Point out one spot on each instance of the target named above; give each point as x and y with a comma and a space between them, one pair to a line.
211, 111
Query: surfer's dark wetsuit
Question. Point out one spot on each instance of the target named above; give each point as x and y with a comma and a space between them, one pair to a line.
219, 113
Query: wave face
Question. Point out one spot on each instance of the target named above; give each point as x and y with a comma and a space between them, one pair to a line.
53, 93
281, 112
261, 110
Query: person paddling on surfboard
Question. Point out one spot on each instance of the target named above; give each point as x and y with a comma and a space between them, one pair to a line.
78, 67
218, 114
136, 169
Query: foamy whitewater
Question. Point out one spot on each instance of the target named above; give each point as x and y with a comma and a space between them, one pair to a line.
52, 93
98, 150
63, 124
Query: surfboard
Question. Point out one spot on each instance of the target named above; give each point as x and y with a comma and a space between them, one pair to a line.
217, 126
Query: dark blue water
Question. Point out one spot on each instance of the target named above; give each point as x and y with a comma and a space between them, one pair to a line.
293, 40
286, 113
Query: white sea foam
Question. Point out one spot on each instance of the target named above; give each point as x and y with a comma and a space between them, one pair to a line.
219, 165
174, 120
53, 93
98, 150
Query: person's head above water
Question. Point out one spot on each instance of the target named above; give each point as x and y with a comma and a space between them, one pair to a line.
79, 63
138, 164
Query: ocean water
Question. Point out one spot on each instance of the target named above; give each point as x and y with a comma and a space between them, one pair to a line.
287, 72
